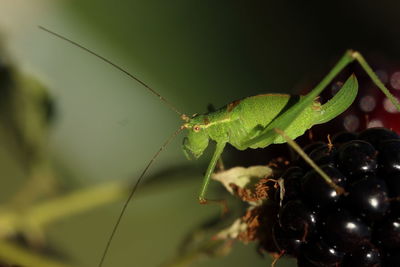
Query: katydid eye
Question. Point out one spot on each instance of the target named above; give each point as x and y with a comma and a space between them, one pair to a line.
196, 128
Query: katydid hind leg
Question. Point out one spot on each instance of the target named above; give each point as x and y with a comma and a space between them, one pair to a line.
360, 59
284, 120
310, 162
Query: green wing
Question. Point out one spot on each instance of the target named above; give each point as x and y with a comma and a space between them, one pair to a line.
339, 103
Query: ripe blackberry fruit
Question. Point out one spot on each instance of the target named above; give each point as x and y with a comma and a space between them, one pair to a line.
364, 256
357, 157
297, 217
320, 227
368, 198
344, 231
317, 192
375, 136
389, 156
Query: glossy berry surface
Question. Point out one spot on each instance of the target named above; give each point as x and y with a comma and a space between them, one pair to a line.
387, 234
393, 183
291, 179
297, 217
358, 227
286, 241
345, 231
364, 256
343, 137
357, 157
317, 192
321, 254
308, 149
389, 156
368, 198
392, 259
375, 136
323, 155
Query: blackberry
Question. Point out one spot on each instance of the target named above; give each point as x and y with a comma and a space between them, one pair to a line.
291, 178
308, 149
357, 157
393, 183
361, 227
369, 198
364, 256
345, 232
392, 259
287, 241
375, 136
323, 155
389, 156
317, 192
387, 234
343, 137
320, 253
297, 217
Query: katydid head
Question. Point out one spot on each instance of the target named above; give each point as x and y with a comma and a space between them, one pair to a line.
197, 138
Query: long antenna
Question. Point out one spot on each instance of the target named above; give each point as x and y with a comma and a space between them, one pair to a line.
136, 185
114, 230
154, 92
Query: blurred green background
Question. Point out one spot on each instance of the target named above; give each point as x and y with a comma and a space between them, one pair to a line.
193, 53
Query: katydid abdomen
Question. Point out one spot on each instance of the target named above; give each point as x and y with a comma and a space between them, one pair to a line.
244, 119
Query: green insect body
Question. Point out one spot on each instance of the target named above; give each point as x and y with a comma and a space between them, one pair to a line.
242, 122
243, 119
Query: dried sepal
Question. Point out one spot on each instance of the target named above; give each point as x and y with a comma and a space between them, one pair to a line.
246, 183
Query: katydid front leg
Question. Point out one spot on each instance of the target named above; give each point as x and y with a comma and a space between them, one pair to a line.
206, 180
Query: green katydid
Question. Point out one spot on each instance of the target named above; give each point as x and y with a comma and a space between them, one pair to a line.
256, 121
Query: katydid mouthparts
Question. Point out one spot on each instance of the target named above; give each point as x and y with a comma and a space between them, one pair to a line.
253, 122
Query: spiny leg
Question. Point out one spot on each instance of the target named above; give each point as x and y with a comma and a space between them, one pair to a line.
332, 109
340, 102
289, 116
206, 180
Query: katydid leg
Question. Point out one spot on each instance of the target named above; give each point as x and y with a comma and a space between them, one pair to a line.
285, 120
360, 59
300, 151
270, 133
217, 153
